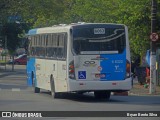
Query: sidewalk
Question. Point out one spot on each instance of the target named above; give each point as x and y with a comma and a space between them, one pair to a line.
141, 90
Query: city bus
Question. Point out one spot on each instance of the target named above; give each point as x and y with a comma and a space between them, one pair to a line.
80, 57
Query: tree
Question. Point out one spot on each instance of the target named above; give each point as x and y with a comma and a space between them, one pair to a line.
11, 32
136, 14
11, 38
39, 13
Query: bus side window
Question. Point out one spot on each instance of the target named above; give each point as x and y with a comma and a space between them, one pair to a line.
61, 50
33, 49
54, 45
65, 46
48, 46
51, 46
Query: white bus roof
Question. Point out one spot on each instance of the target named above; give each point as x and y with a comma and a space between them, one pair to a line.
63, 28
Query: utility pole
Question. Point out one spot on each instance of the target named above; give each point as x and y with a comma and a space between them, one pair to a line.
154, 38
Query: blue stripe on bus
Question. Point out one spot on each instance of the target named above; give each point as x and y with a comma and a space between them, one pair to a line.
32, 32
30, 68
114, 67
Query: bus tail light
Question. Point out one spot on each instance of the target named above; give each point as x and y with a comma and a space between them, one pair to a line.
71, 70
128, 67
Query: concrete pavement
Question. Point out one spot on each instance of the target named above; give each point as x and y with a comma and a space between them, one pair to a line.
136, 90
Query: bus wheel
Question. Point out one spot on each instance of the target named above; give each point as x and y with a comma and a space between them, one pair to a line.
102, 94
36, 89
53, 93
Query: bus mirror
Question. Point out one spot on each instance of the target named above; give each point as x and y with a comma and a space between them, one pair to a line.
76, 61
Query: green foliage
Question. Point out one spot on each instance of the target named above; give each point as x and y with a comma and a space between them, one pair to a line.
136, 14
10, 36
137, 18
40, 13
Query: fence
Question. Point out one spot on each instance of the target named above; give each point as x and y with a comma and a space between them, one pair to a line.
3, 63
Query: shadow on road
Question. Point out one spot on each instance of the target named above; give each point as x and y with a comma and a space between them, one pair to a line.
89, 98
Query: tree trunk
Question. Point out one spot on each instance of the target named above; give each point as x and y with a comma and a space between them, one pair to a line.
13, 63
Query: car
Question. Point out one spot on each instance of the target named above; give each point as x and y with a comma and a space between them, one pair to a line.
20, 60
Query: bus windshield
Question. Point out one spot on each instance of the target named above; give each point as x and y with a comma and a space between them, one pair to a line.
99, 40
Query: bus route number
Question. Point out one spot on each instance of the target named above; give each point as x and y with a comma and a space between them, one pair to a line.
99, 30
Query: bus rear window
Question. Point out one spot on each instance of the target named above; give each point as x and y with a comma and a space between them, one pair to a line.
99, 40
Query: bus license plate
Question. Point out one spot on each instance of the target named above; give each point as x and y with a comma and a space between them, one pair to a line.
100, 75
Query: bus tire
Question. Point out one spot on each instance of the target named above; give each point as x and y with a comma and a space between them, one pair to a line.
102, 94
53, 93
36, 89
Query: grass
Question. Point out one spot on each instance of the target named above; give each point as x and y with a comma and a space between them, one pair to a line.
3, 61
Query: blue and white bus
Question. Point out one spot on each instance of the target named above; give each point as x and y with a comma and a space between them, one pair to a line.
82, 57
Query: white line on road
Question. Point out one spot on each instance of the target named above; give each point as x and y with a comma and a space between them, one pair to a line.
16, 89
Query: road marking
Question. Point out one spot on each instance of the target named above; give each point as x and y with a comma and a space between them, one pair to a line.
16, 89
13, 84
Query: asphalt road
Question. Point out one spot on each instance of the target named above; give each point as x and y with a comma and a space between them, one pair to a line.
15, 95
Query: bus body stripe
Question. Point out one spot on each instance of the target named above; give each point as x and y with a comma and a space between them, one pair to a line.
114, 67
30, 68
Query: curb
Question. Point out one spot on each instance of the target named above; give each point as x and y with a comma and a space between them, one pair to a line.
132, 94
120, 93
142, 94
